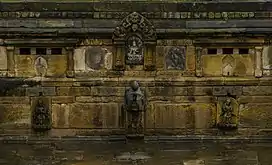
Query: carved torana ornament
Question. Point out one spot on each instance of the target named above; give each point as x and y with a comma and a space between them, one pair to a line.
135, 41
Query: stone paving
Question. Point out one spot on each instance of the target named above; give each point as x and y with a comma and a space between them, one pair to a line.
135, 153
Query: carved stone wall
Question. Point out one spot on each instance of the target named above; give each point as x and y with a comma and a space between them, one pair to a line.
186, 76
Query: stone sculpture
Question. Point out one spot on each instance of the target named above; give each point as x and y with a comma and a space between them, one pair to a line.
227, 117
41, 66
134, 51
41, 116
175, 58
135, 105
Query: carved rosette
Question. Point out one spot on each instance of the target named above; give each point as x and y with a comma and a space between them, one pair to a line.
134, 26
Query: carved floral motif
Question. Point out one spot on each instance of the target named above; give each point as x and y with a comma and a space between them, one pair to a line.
135, 23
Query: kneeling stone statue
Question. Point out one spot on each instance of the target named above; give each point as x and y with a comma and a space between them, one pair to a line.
135, 106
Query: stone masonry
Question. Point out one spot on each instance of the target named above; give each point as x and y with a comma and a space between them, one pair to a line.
195, 55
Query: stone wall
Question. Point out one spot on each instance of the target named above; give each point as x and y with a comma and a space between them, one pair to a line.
187, 74
179, 102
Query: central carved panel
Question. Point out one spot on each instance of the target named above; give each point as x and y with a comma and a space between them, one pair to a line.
134, 51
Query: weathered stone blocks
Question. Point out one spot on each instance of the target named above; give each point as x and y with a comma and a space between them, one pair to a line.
94, 115
180, 116
47, 91
256, 115
73, 91
15, 115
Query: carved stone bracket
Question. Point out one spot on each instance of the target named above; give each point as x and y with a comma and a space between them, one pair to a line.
135, 41
70, 62
11, 61
198, 52
258, 61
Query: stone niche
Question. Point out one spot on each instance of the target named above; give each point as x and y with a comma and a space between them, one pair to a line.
39, 65
136, 38
227, 64
93, 58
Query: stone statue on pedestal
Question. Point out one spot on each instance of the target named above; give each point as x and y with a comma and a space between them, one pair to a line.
228, 113
41, 118
135, 105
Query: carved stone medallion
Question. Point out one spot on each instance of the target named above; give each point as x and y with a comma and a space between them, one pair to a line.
41, 66
134, 51
175, 58
227, 112
94, 57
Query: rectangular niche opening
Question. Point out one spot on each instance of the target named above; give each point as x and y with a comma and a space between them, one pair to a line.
56, 51
41, 51
25, 51
243, 51
212, 51
227, 50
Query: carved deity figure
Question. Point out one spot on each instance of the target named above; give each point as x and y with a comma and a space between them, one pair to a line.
227, 113
41, 66
134, 50
41, 116
175, 58
135, 103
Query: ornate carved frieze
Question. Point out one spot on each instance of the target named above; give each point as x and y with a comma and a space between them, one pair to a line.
227, 113
149, 15
135, 23
134, 40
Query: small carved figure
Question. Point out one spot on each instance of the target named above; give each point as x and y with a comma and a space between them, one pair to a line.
175, 58
227, 113
135, 104
41, 116
41, 66
134, 51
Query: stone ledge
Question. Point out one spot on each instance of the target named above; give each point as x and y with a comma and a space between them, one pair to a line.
198, 138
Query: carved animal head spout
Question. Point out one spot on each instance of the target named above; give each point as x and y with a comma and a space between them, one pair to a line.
134, 85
